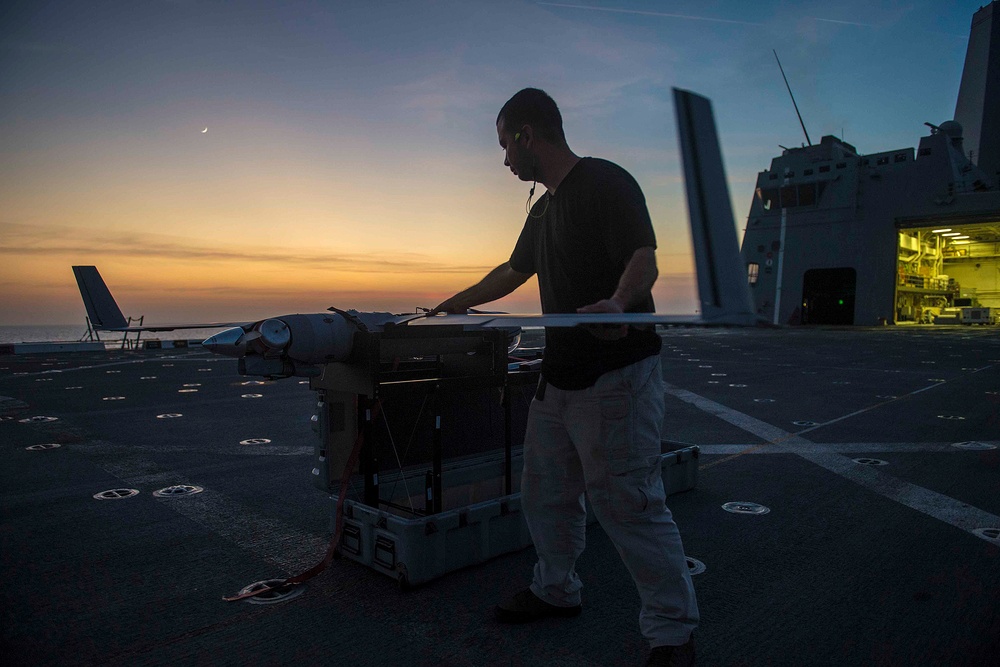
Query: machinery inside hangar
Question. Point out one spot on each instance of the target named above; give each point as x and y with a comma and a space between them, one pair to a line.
949, 271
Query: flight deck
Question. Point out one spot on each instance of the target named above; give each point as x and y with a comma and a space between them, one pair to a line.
846, 513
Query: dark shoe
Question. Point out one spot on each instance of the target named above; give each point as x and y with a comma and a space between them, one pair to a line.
525, 607
672, 656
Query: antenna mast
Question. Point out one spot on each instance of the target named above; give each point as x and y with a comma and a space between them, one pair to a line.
792, 96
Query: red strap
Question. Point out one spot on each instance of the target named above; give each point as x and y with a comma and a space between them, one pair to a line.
345, 483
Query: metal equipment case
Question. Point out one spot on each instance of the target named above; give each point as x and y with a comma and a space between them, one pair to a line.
452, 497
473, 530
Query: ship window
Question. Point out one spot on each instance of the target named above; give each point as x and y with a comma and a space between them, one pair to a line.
882, 160
807, 172
924, 151
825, 168
900, 157
768, 199
841, 165
807, 194
753, 269
789, 196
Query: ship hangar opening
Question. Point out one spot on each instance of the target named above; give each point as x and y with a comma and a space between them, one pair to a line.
948, 270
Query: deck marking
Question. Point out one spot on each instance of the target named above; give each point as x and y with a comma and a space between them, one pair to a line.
844, 448
929, 502
887, 401
778, 434
269, 539
923, 500
112, 364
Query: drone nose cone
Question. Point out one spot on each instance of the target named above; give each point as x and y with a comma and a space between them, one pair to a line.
229, 342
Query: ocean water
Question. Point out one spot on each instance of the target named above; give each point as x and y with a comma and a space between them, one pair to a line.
74, 332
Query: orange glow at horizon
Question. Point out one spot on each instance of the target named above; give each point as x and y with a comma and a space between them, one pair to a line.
172, 289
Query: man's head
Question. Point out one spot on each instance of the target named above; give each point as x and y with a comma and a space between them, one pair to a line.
530, 116
533, 107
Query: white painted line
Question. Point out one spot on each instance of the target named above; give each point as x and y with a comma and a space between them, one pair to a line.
923, 500
839, 448
872, 407
749, 424
236, 450
111, 364
929, 502
270, 539
273, 541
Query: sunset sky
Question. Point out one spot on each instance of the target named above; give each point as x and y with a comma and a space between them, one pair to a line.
351, 156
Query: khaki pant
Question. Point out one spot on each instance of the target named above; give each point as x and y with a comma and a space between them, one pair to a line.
605, 441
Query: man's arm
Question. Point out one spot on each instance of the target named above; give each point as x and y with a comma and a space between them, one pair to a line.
634, 285
497, 284
636, 282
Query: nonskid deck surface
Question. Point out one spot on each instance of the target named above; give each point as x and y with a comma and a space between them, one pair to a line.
890, 561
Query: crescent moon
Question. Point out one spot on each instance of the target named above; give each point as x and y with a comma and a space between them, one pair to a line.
204, 131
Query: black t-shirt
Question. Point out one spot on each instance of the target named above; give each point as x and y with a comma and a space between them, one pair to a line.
579, 245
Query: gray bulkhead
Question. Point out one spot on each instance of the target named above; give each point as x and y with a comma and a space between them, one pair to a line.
840, 210
823, 233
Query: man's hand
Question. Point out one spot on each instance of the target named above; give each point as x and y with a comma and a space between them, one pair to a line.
450, 306
605, 331
497, 284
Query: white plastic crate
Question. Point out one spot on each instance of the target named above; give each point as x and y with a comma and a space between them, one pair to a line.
417, 549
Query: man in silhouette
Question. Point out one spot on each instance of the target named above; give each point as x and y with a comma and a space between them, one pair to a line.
594, 424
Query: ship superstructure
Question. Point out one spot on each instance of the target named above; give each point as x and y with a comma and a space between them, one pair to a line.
906, 235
